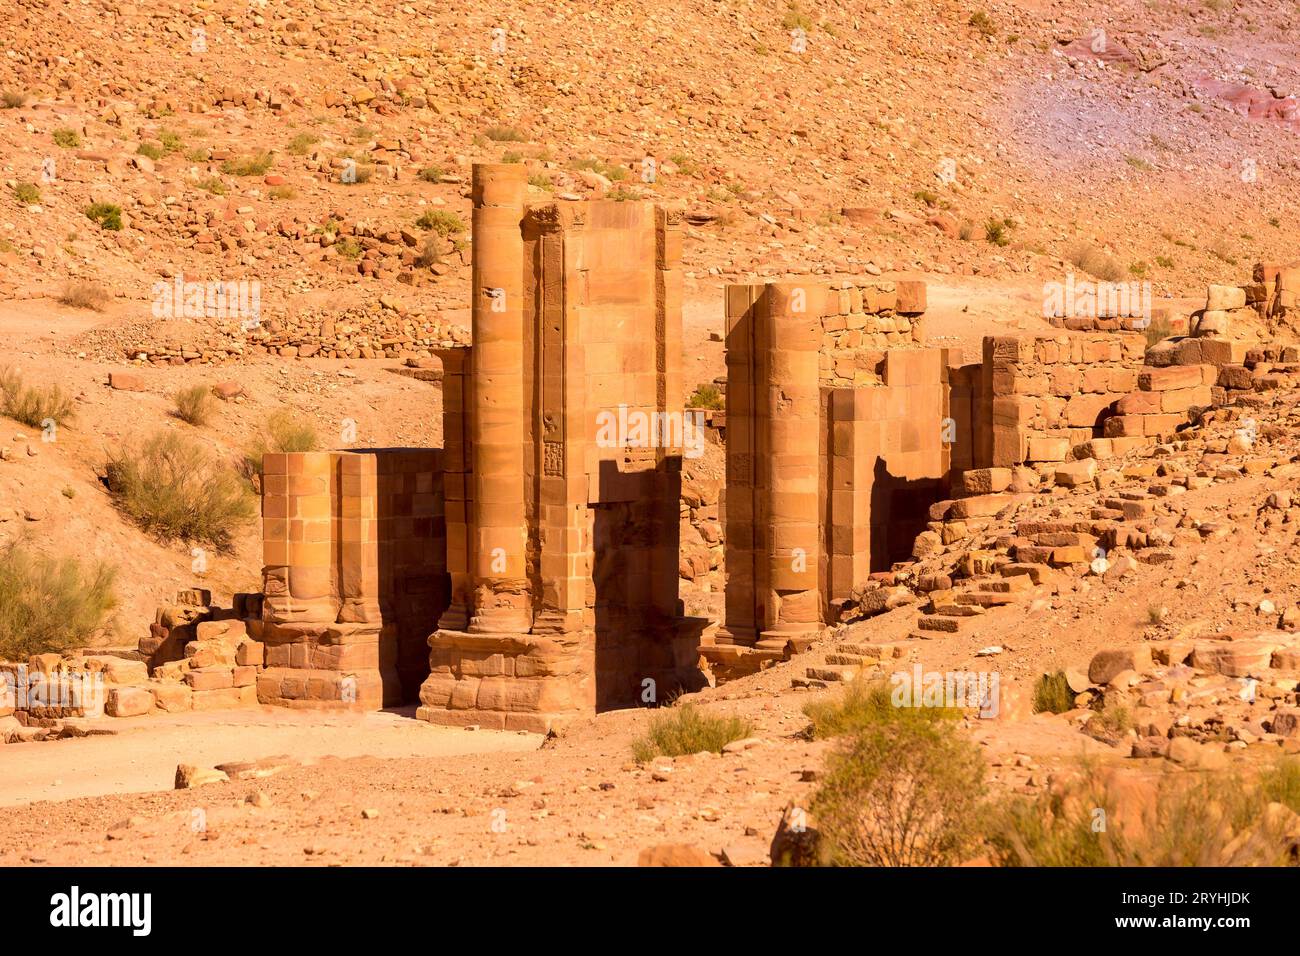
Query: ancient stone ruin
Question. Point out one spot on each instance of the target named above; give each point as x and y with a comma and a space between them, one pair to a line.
526, 574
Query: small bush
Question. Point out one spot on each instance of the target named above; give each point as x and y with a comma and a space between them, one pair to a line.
150, 151
862, 705
796, 19
685, 730
172, 488
1158, 330
998, 231
1280, 783
80, 294
171, 141
348, 248
283, 432
541, 181
1052, 694
49, 605
706, 395
27, 193
902, 793
505, 134
195, 405
611, 172
1110, 724
619, 194
301, 144
1182, 819
982, 22
966, 231
432, 174
441, 221
211, 184
1096, 263
255, 165
106, 214
280, 193
11, 100
428, 254
199, 154
512, 157
67, 138
33, 406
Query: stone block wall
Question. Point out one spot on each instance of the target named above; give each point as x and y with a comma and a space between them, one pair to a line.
355, 575
861, 320
1048, 393
885, 463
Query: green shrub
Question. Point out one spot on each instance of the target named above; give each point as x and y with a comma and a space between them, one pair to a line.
172, 488
49, 605
432, 174
998, 231
441, 221
541, 181
706, 395
212, 184
512, 157
283, 432
195, 405
67, 138
150, 150
1181, 819
281, 193
1052, 694
505, 134
106, 214
11, 100
301, 144
27, 193
864, 704
685, 730
33, 406
348, 248
982, 22
171, 141
1280, 783
796, 19
902, 793
254, 165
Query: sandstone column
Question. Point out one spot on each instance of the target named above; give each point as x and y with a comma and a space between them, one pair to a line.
502, 599
790, 313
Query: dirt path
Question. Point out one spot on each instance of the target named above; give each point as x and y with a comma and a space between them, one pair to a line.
142, 756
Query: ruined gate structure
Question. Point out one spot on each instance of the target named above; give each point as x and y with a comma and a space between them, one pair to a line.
526, 574
562, 533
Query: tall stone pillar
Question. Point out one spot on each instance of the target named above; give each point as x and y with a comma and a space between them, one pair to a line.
297, 514
502, 598
790, 338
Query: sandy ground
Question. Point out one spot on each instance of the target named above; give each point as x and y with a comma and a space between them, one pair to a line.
142, 755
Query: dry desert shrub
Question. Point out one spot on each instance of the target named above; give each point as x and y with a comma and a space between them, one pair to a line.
863, 705
50, 604
33, 406
283, 432
686, 730
1093, 261
706, 395
172, 488
195, 405
1111, 818
1052, 694
80, 294
905, 792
